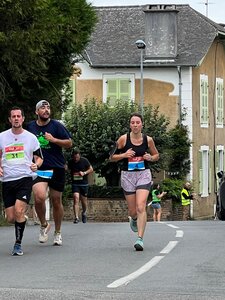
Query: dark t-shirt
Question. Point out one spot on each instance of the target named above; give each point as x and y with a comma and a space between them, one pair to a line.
52, 153
75, 167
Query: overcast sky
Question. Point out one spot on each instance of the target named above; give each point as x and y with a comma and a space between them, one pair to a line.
216, 8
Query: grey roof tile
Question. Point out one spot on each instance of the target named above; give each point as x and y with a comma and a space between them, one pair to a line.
113, 41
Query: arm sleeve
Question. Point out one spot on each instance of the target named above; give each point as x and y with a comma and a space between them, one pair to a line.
187, 197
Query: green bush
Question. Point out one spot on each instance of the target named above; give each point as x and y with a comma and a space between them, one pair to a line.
3, 221
173, 188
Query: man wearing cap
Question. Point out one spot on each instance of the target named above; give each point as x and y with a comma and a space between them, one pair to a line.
52, 136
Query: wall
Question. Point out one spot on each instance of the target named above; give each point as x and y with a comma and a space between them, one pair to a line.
212, 65
108, 210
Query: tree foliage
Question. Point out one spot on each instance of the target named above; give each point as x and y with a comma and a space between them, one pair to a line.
37, 41
179, 162
95, 126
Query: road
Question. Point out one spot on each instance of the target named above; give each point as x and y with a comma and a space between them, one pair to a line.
181, 260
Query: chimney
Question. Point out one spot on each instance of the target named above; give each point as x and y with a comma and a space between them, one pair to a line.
160, 31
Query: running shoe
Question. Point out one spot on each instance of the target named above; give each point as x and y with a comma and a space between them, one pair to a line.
43, 236
133, 224
17, 250
139, 245
84, 218
76, 221
57, 239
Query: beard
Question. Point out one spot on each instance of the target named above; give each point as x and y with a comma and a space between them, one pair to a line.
43, 118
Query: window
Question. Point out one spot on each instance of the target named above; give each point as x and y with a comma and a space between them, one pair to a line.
205, 171
219, 102
118, 87
204, 110
219, 157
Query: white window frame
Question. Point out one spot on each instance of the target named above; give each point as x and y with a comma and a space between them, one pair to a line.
219, 102
204, 101
111, 76
205, 171
219, 161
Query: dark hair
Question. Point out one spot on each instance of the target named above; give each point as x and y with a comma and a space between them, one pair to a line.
155, 186
16, 108
75, 151
136, 114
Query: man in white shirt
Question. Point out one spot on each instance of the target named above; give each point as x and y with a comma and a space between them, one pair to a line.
20, 157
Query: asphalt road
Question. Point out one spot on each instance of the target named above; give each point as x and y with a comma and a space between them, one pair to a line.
181, 260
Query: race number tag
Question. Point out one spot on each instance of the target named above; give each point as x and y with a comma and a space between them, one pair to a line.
136, 163
77, 176
45, 173
14, 154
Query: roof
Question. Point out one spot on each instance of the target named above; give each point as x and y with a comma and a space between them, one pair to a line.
113, 41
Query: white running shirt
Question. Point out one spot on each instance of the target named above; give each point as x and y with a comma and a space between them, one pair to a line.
17, 154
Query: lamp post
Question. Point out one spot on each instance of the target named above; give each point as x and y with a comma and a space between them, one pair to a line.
141, 45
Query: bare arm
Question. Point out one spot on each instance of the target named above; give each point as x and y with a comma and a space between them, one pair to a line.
89, 171
67, 143
1, 170
120, 144
154, 154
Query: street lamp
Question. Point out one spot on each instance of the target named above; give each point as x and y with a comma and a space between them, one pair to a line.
141, 45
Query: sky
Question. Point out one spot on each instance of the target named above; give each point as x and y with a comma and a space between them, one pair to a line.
215, 9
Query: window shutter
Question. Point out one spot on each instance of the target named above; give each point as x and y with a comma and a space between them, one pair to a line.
118, 89
125, 89
210, 171
204, 101
112, 91
219, 102
200, 173
217, 168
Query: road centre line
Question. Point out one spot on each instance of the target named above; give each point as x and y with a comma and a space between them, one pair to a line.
169, 247
172, 226
146, 267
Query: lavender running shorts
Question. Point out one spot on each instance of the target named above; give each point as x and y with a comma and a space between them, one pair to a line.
133, 180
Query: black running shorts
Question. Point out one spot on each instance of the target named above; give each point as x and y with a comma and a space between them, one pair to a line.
19, 189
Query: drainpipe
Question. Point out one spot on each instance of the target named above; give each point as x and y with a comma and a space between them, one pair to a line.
180, 121
180, 93
191, 209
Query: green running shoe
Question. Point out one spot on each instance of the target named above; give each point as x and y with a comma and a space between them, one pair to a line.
133, 224
139, 245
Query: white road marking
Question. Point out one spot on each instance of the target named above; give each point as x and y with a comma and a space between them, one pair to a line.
169, 247
172, 226
179, 233
127, 279
146, 267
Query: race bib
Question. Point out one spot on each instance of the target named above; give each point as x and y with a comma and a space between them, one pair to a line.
77, 176
14, 154
136, 163
45, 173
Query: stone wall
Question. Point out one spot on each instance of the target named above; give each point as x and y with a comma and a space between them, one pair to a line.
115, 210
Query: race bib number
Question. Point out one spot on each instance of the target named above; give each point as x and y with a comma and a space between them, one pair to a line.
45, 173
77, 176
136, 163
14, 154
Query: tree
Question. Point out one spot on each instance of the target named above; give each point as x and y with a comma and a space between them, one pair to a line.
179, 162
38, 39
95, 126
